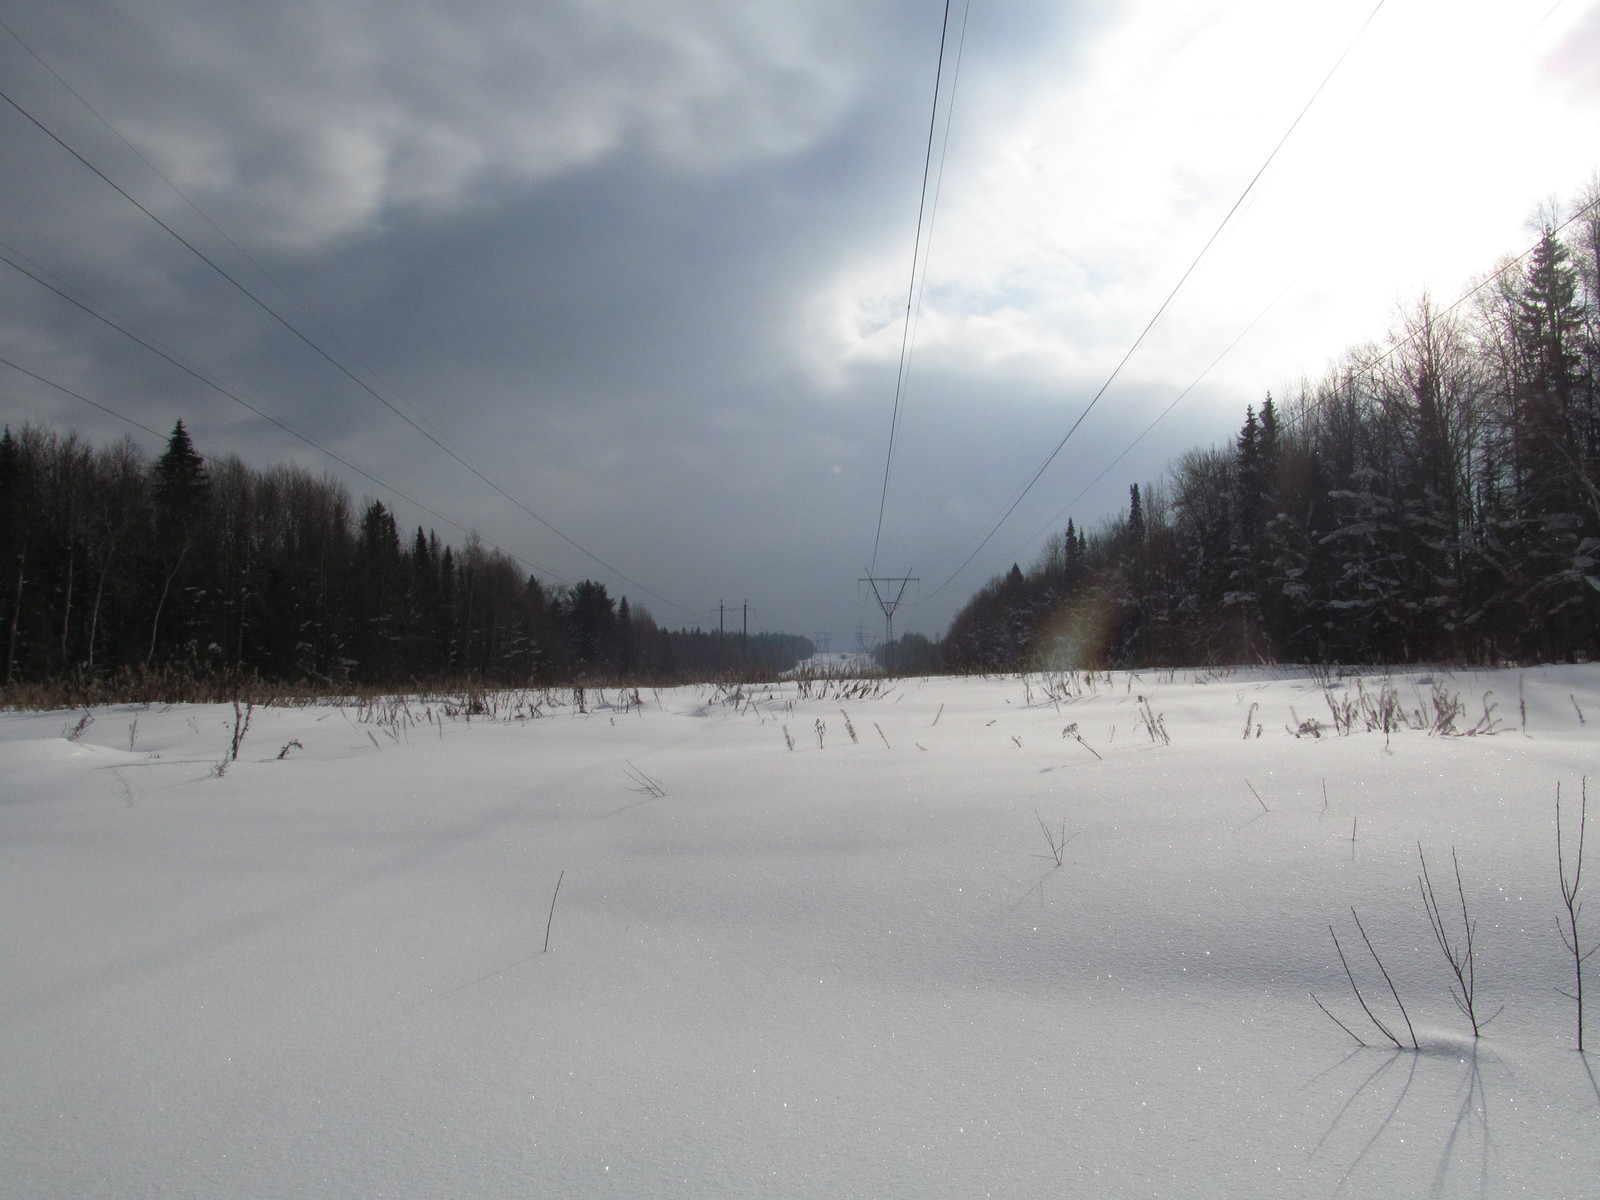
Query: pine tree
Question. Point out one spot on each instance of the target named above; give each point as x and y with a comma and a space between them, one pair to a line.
1245, 550
1554, 547
592, 627
627, 642
17, 499
183, 568
182, 486
1268, 442
381, 595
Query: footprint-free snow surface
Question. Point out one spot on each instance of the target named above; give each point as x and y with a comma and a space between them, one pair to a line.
803, 940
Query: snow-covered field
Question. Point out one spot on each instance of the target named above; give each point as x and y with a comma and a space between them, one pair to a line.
851, 968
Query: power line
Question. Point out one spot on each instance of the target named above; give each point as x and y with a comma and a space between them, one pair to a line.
933, 215
1165, 304
366, 387
76, 396
916, 255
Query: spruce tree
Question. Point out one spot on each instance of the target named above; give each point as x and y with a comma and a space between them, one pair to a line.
179, 584
1549, 326
1556, 525
16, 522
182, 486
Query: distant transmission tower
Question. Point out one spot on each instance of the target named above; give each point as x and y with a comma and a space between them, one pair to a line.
888, 603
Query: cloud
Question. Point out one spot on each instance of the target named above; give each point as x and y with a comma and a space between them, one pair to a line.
313, 121
1574, 60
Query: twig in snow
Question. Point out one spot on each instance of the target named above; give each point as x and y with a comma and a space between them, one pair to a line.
1360, 999
1057, 839
644, 784
1155, 724
241, 726
1573, 905
1335, 1019
1384, 971
1460, 955
1072, 732
1257, 795
551, 918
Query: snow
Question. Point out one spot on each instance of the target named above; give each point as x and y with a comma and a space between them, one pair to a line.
845, 970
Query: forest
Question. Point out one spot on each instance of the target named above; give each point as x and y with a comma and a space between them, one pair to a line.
119, 570
1434, 497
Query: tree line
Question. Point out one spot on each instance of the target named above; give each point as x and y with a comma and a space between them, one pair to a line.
115, 566
1434, 497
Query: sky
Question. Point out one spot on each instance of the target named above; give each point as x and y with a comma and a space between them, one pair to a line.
625, 282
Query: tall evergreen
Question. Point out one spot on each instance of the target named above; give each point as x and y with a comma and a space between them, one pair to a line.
1554, 540
1549, 328
182, 566
182, 486
18, 487
382, 593
591, 621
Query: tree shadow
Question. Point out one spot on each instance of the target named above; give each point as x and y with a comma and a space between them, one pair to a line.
1588, 1069
1473, 1089
1469, 1132
1036, 890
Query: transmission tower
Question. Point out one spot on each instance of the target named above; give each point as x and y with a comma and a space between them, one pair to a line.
888, 603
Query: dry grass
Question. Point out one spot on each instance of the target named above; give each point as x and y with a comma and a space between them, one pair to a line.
169, 685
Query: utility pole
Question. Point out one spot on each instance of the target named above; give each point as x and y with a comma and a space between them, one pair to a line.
722, 631
888, 604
